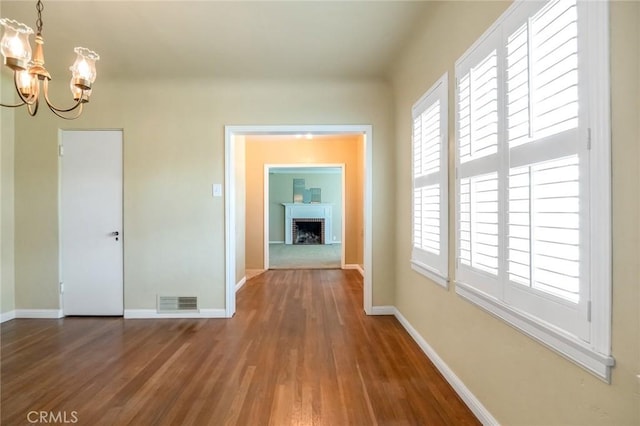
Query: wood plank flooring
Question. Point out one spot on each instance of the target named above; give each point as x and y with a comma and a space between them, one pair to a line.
299, 351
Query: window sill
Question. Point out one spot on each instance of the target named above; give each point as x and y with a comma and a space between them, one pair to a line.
569, 347
430, 273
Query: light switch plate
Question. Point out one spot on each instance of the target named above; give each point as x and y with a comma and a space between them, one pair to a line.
217, 189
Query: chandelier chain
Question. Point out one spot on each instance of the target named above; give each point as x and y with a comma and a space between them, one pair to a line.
39, 8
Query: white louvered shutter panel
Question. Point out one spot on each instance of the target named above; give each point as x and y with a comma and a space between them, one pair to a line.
478, 238
426, 148
483, 222
429, 181
478, 109
555, 69
542, 75
544, 194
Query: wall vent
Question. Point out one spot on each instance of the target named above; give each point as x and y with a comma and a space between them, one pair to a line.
177, 304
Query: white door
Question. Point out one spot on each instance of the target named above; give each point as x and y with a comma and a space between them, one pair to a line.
91, 222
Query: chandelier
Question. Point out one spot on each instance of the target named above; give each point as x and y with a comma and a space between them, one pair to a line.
31, 77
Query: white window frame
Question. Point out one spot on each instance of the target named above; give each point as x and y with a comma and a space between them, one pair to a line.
434, 267
594, 353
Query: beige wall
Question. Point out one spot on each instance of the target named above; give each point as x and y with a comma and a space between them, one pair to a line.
281, 191
7, 275
173, 152
517, 379
334, 150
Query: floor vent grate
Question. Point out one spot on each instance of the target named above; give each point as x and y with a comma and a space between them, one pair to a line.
177, 304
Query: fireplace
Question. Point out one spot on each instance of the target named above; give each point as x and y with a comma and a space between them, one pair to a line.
313, 219
307, 231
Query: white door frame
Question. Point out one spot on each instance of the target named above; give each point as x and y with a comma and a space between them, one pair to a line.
230, 132
267, 168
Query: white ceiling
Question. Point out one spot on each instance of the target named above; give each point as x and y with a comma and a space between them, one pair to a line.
225, 39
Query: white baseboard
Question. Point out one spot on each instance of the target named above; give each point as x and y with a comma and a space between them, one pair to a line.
354, 266
7, 316
153, 314
276, 242
241, 283
383, 310
469, 398
39, 313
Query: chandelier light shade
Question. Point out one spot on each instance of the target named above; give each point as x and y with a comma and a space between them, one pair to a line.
31, 77
15, 45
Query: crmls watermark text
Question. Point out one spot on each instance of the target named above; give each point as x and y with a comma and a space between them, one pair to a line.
35, 417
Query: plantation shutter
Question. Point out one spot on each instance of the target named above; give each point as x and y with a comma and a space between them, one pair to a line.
544, 194
479, 222
430, 182
427, 198
533, 200
522, 184
478, 230
478, 107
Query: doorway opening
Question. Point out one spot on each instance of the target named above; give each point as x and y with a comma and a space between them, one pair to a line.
235, 137
305, 216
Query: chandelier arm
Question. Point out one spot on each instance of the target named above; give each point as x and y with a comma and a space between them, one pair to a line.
12, 106
33, 108
53, 107
59, 113
28, 100
25, 100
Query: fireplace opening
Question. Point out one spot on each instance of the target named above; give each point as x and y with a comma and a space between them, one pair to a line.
307, 231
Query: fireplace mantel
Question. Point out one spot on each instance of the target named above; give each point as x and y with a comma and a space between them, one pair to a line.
307, 211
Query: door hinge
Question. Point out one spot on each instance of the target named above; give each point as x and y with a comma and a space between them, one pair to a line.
589, 139
589, 311
61, 287
60, 150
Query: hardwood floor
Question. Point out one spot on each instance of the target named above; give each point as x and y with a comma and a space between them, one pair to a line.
299, 350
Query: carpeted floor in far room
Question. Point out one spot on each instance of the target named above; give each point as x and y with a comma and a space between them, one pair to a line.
299, 256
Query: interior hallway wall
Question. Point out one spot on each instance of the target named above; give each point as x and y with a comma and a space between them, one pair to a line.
173, 228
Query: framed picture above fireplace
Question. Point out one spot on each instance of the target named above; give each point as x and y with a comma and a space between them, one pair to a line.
298, 190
